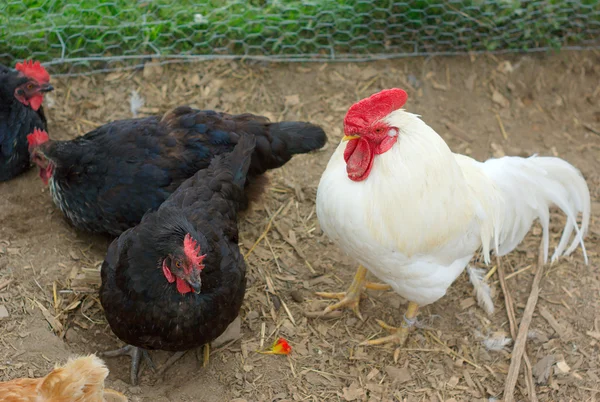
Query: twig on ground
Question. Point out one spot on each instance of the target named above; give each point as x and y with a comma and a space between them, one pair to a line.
521, 338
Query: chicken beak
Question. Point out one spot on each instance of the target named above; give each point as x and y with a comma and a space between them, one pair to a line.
350, 137
196, 285
46, 88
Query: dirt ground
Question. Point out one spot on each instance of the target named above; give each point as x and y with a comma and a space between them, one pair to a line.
482, 106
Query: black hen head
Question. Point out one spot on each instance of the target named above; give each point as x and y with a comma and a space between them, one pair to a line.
180, 247
21, 96
27, 84
38, 143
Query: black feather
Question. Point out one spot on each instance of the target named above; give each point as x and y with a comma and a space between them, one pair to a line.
141, 306
16, 122
107, 179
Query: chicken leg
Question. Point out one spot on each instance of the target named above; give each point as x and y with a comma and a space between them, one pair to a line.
351, 298
399, 335
136, 355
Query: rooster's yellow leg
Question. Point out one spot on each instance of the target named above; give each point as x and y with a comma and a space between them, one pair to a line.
351, 298
399, 335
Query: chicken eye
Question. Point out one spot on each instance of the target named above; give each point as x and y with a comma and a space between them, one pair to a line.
29, 86
178, 264
379, 130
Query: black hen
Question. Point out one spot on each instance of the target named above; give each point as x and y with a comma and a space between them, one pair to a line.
177, 280
21, 96
107, 179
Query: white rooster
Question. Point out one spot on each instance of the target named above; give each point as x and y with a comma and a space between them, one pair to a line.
397, 200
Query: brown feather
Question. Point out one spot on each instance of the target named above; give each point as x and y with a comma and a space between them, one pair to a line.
79, 380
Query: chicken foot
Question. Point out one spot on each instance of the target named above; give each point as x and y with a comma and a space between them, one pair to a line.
351, 298
399, 335
136, 355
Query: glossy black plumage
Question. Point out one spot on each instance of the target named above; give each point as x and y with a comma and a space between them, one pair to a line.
141, 306
16, 121
107, 179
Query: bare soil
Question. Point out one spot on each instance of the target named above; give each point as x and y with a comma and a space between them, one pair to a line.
483, 106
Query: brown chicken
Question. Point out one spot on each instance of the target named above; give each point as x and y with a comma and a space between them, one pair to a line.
79, 380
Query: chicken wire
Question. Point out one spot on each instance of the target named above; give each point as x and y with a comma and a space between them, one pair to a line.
98, 35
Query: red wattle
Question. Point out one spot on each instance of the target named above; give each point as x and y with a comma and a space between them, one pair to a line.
183, 287
36, 101
46, 175
359, 159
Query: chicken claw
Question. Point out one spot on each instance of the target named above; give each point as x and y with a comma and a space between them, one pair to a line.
136, 355
399, 335
351, 298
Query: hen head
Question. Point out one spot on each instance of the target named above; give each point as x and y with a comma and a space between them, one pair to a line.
38, 156
33, 83
184, 266
367, 131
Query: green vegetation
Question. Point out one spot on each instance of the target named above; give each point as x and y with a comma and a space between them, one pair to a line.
54, 29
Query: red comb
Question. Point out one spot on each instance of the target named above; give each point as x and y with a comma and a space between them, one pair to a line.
191, 248
369, 110
37, 138
34, 70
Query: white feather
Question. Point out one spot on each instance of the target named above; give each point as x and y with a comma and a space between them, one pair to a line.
482, 289
136, 102
496, 343
529, 187
423, 212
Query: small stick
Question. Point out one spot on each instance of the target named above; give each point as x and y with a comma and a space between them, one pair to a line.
507, 298
263, 329
264, 233
452, 352
275, 258
553, 323
55, 296
512, 320
5, 283
292, 366
368, 84
319, 314
521, 340
516, 273
491, 272
294, 246
288, 312
501, 126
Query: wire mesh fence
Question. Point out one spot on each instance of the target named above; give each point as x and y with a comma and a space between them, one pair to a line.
86, 35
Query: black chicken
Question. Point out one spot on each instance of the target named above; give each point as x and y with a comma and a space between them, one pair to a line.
107, 179
21, 96
177, 280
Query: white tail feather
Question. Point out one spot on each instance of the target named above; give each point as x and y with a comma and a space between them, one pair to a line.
482, 289
529, 187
